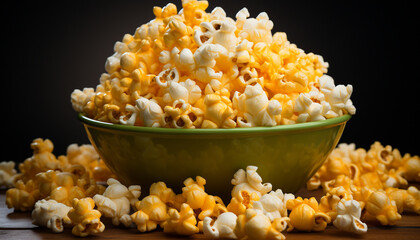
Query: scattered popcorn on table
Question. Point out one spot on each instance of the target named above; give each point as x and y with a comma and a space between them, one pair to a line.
45, 176
356, 183
51, 214
8, 174
192, 56
85, 219
116, 201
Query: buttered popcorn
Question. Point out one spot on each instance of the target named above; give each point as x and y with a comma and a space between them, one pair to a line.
195, 69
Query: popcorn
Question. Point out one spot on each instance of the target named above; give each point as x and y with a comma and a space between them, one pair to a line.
248, 188
255, 109
42, 160
256, 29
273, 204
151, 211
306, 216
380, 206
85, 219
218, 112
253, 224
348, 218
198, 199
190, 55
8, 174
65, 186
406, 200
182, 222
328, 203
115, 202
51, 214
150, 112
23, 196
222, 227
44, 176
337, 96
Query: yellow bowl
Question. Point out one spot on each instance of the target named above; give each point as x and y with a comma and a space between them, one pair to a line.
286, 156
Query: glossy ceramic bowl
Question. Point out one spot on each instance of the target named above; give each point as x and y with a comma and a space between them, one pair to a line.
286, 156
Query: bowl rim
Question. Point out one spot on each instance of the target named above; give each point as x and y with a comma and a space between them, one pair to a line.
307, 126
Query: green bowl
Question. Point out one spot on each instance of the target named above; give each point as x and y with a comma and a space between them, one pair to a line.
286, 156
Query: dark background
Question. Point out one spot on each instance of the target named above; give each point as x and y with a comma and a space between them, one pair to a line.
52, 48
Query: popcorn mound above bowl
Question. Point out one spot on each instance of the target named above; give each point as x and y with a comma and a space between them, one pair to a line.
194, 69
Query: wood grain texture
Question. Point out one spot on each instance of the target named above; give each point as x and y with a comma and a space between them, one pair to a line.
18, 225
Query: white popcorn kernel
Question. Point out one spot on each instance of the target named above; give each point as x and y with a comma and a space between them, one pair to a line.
257, 29
222, 227
131, 116
309, 110
8, 174
348, 218
241, 16
337, 96
166, 76
249, 181
255, 108
205, 59
149, 112
116, 201
51, 214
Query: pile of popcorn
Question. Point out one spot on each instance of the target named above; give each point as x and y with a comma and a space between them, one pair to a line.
359, 186
193, 69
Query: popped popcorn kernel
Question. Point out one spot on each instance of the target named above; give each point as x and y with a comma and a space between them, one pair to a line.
62, 178
85, 219
253, 224
376, 178
247, 188
116, 201
306, 216
51, 214
222, 227
348, 217
8, 174
181, 222
190, 54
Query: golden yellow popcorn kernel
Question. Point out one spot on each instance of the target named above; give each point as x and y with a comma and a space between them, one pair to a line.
406, 200
151, 211
306, 216
85, 219
182, 222
42, 160
198, 199
65, 186
381, 207
23, 196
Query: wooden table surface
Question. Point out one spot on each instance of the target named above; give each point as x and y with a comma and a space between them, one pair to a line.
17, 225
